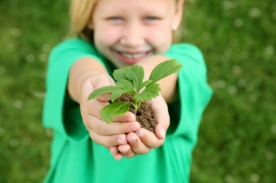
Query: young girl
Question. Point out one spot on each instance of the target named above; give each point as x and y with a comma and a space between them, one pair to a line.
111, 34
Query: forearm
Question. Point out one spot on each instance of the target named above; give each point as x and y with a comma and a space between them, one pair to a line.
169, 84
81, 71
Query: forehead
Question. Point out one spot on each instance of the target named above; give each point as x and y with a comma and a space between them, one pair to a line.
145, 6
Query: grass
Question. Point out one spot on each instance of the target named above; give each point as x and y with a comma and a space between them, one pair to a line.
237, 135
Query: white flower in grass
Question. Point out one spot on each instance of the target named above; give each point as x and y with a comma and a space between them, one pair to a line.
229, 178
254, 12
269, 50
39, 94
252, 98
236, 69
242, 82
232, 90
46, 48
255, 177
15, 32
10, 48
273, 128
227, 5
269, 155
220, 84
43, 57
30, 57
18, 104
13, 142
48, 133
238, 22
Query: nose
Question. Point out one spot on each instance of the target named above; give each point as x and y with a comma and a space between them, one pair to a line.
132, 35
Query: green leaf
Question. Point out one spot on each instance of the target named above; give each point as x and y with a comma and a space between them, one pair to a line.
164, 69
103, 90
119, 74
144, 84
125, 85
117, 94
114, 109
150, 92
135, 73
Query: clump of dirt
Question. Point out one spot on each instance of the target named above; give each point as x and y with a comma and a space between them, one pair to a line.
144, 114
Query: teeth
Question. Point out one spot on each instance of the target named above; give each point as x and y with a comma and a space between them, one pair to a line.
131, 56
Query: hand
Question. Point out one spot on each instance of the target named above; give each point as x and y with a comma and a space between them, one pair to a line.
143, 141
108, 135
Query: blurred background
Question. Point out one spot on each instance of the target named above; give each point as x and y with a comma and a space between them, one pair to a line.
237, 136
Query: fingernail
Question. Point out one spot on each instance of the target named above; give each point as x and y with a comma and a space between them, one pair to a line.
162, 133
140, 134
133, 141
133, 128
120, 141
118, 157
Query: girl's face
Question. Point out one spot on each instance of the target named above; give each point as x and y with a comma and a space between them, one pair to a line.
126, 31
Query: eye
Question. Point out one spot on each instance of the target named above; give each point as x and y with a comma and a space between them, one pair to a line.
115, 18
151, 18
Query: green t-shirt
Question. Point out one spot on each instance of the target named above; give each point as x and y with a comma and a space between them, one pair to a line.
76, 158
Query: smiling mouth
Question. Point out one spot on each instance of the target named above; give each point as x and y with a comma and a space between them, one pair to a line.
132, 58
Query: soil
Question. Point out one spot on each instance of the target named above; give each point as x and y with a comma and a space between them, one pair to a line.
144, 114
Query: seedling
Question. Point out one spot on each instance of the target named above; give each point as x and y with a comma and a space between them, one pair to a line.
130, 81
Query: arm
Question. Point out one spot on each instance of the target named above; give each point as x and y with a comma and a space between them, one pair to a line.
86, 75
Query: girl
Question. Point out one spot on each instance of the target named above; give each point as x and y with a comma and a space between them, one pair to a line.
110, 34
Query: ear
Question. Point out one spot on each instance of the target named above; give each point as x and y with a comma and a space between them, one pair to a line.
178, 14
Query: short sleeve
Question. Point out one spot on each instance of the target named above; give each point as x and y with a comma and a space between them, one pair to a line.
55, 112
194, 91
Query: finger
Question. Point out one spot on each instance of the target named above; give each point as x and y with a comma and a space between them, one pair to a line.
160, 108
118, 157
127, 117
126, 151
137, 146
96, 106
149, 138
108, 141
115, 153
102, 128
101, 81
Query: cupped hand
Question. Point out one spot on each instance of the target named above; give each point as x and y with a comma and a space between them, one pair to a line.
142, 141
101, 132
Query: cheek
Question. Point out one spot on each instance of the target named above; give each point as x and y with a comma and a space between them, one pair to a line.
160, 37
106, 35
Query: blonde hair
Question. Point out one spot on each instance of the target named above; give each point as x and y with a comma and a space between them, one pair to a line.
80, 14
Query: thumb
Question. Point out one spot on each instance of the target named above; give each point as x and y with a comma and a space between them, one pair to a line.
101, 81
160, 108
104, 97
160, 131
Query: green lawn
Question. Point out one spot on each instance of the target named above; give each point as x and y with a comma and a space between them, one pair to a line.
237, 136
